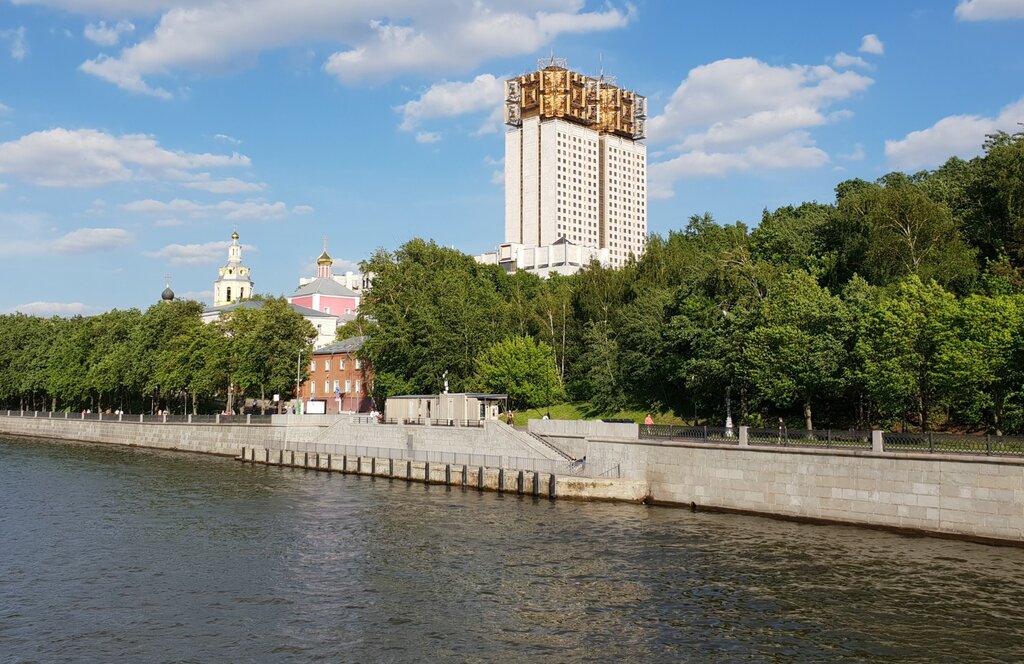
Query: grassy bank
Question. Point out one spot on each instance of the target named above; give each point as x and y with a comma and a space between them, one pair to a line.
584, 411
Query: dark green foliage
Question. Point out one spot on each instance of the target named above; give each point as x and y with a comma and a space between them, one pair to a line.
162, 358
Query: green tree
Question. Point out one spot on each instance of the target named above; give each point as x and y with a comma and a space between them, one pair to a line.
797, 352
435, 310
522, 368
900, 350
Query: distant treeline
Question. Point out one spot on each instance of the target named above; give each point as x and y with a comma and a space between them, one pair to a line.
901, 303
165, 358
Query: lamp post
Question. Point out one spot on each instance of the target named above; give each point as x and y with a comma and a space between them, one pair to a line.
728, 414
298, 383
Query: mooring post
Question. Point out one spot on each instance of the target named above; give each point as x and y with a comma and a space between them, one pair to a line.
280, 457
480, 478
448, 474
305, 459
243, 452
501, 480
536, 483
266, 455
391, 467
465, 474
521, 483
329, 464
426, 472
373, 465
408, 470
293, 457
552, 482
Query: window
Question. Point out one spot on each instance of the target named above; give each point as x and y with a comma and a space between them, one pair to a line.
312, 389
327, 365
359, 363
358, 390
312, 366
348, 386
341, 364
229, 294
241, 293
335, 387
327, 387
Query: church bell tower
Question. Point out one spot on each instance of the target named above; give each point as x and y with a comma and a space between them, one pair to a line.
233, 282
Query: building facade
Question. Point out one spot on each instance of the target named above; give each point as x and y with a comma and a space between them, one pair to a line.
327, 293
575, 166
234, 282
339, 382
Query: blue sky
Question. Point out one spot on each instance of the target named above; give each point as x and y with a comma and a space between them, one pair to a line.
136, 134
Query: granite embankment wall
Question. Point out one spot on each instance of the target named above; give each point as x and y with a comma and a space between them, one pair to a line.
511, 460
966, 496
223, 439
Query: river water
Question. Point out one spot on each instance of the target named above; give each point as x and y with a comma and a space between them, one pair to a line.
114, 554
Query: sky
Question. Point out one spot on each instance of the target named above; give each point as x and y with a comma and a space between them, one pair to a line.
135, 135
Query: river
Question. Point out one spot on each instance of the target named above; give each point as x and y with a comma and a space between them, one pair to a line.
118, 554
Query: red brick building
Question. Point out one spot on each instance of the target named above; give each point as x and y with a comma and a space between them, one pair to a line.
339, 380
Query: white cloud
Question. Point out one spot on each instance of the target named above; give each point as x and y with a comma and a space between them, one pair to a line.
89, 157
227, 139
18, 42
89, 240
871, 44
960, 135
376, 39
794, 150
743, 114
449, 99
989, 10
107, 35
207, 253
231, 210
48, 309
225, 186
428, 137
856, 155
498, 178
844, 60
4, 108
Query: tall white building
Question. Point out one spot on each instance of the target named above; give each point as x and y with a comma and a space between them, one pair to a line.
233, 282
575, 169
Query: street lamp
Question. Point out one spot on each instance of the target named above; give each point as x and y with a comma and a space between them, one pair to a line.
728, 414
298, 382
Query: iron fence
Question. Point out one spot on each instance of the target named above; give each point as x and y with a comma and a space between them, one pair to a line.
702, 434
951, 443
136, 418
816, 438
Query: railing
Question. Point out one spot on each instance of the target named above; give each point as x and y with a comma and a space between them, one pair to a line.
137, 418
554, 449
416, 421
825, 438
701, 434
949, 443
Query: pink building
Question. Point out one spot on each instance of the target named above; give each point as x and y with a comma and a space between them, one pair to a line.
326, 293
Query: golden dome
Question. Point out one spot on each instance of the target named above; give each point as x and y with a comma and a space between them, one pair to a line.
324, 259
234, 236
